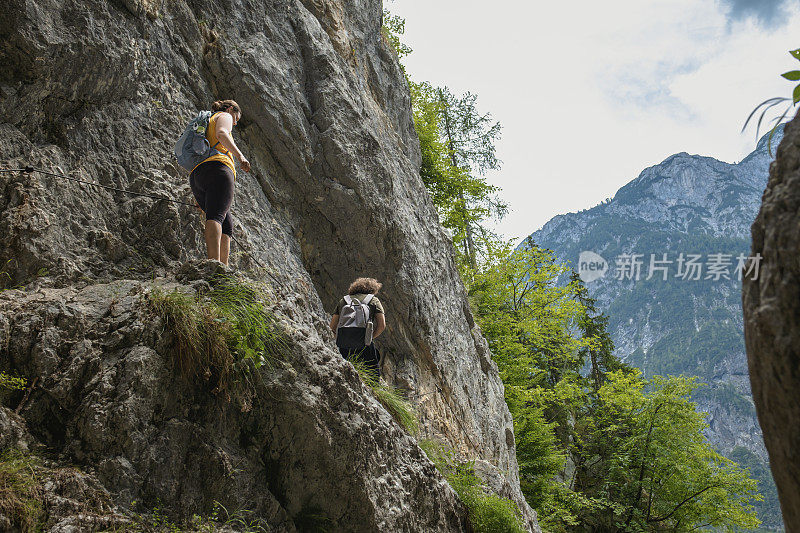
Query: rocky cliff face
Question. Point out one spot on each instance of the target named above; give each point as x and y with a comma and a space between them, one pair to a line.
313, 443
687, 204
771, 317
100, 91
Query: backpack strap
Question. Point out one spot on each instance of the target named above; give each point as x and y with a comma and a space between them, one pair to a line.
220, 152
348, 300
367, 299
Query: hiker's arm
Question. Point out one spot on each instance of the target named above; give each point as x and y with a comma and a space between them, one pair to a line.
334, 322
380, 324
224, 126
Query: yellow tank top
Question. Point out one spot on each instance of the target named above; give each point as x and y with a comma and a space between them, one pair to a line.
211, 134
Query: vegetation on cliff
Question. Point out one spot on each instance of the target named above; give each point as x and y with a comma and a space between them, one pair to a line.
457, 143
457, 148
20, 491
488, 513
390, 397
222, 337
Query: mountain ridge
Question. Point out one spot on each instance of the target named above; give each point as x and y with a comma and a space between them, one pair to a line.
687, 204
743, 172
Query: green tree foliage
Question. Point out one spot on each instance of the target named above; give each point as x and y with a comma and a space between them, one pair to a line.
794, 75
393, 27
599, 349
528, 318
9, 385
457, 145
531, 323
652, 468
598, 445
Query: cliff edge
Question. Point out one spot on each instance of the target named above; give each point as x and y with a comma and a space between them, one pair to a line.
772, 322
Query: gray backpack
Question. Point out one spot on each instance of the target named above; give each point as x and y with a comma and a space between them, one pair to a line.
193, 147
355, 329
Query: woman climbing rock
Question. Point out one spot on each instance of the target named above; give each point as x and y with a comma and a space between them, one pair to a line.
359, 318
212, 180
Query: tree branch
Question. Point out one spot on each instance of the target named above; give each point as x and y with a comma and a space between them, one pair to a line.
644, 464
684, 502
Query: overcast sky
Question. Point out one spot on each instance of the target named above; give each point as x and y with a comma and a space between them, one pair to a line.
590, 93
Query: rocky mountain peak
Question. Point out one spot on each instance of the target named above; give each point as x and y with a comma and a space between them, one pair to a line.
696, 191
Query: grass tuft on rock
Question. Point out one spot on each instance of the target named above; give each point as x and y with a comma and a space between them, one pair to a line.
255, 333
390, 397
20, 491
198, 334
221, 337
488, 513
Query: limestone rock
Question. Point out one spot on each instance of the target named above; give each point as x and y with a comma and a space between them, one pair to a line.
13, 432
100, 91
312, 442
772, 322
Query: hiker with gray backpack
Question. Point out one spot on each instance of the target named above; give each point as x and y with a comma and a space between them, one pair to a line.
358, 320
207, 149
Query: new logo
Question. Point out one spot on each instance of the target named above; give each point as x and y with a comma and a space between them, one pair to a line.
591, 266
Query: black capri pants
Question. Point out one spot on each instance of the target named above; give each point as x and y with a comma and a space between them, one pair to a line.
212, 186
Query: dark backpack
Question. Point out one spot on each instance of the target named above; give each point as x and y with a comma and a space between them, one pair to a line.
355, 328
193, 148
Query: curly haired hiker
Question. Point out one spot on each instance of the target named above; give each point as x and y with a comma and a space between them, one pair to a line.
212, 180
359, 318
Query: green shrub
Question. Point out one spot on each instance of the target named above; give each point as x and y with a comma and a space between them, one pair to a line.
20, 491
222, 337
390, 397
255, 333
8, 385
11, 383
488, 513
